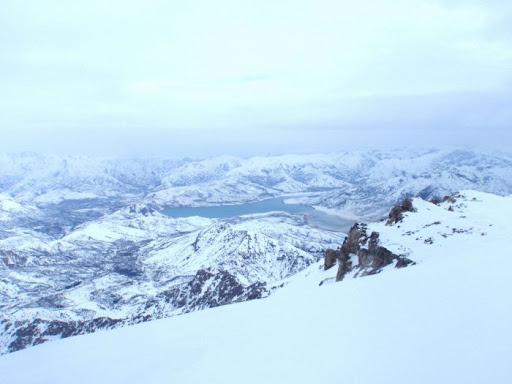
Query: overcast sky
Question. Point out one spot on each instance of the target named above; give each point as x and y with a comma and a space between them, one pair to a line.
241, 77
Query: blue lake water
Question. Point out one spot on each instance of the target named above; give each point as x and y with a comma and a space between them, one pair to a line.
315, 218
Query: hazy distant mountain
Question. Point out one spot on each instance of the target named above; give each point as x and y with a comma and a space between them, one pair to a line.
351, 183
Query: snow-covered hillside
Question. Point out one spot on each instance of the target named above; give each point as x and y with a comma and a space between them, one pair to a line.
46, 179
444, 320
355, 184
137, 265
84, 245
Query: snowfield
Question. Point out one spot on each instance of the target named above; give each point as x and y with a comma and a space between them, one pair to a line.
444, 320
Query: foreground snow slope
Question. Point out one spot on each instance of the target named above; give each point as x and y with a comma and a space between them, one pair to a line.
444, 320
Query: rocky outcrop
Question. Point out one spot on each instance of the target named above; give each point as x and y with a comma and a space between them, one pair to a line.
437, 201
330, 258
362, 255
397, 211
210, 289
28, 333
207, 289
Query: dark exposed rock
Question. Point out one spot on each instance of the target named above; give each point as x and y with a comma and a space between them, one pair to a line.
73, 285
437, 200
375, 257
211, 288
403, 262
330, 258
208, 288
344, 265
28, 333
450, 199
397, 211
371, 257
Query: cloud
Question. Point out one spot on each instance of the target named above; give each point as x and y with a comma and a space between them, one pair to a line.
212, 69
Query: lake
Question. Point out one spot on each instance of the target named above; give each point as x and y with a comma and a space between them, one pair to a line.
315, 218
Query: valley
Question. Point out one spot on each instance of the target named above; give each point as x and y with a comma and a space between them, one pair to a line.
88, 243
443, 319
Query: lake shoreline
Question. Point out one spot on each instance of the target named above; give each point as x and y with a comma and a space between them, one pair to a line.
316, 218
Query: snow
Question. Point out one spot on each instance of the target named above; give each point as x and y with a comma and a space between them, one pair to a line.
444, 320
101, 232
8, 204
9, 207
353, 184
255, 248
250, 245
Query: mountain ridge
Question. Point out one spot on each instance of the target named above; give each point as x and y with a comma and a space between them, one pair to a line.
444, 319
76, 246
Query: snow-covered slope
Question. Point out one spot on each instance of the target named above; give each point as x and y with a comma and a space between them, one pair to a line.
53, 179
444, 320
138, 265
84, 247
352, 183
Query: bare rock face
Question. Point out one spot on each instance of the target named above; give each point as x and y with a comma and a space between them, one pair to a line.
371, 257
397, 211
207, 289
330, 258
210, 288
344, 266
438, 201
37, 331
375, 257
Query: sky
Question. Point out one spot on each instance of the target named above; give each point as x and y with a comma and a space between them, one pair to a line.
201, 78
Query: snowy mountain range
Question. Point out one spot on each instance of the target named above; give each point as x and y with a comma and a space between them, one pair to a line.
125, 266
84, 245
444, 318
353, 183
